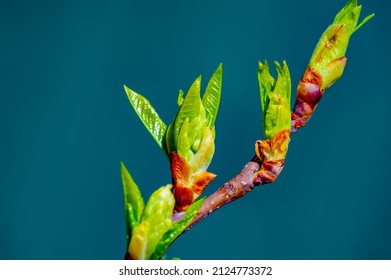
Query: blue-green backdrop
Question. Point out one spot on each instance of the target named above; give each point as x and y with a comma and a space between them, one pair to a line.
66, 124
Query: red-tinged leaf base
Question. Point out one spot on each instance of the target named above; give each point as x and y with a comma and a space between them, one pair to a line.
309, 94
186, 187
272, 153
201, 181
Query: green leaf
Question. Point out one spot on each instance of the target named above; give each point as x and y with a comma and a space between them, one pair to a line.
158, 213
160, 205
334, 41
190, 107
278, 116
131, 220
184, 141
332, 72
176, 229
350, 14
211, 98
148, 116
138, 244
266, 85
283, 84
368, 17
201, 160
134, 202
180, 98
350, 5
196, 130
155, 222
275, 99
170, 143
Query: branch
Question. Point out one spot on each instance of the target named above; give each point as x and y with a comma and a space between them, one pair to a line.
241, 184
237, 187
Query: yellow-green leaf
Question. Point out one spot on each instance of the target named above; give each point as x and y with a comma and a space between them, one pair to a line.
275, 99
266, 85
148, 116
211, 98
134, 202
190, 108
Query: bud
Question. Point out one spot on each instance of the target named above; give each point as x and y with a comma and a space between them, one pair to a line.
328, 57
190, 140
275, 101
272, 153
155, 222
327, 63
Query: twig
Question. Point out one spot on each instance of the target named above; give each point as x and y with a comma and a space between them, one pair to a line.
230, 191
235, 188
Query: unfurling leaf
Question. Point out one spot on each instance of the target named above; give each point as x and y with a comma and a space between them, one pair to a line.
201, 160
266, 85
138, 244
330, 51
190, 178
211, 98
327, 63
155, 222
159, 205
134, 203
194, 116
184, 143
275, 99
180, 98
190, 140
190, 109
148, 116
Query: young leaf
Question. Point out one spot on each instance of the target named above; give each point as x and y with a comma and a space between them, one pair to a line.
170, 142
201, 160
134, 202
138, 244
278, 113
196, 129
334, 41
283, 83
190, 108
155, 222
148, 116
211, 98
160, 205
176, 229
266, 85
183, 145
275, 99
180, 98
158, 213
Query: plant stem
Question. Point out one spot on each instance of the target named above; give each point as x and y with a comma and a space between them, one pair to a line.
235, 188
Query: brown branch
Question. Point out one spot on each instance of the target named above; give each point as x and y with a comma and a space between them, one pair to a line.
241, 184
230, 191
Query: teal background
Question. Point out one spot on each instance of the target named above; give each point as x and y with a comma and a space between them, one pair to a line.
66, 124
